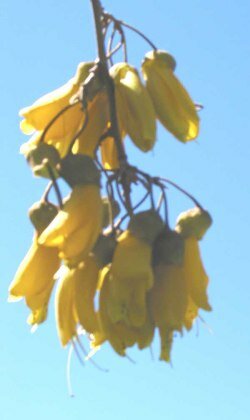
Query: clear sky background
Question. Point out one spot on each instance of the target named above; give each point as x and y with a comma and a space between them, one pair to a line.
41, 45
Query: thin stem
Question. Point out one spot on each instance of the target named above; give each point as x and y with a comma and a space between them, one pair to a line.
139, 33
55, 185
84, 125
61, 112
120, 23
47, 191
97, 10
122, 157
183, 191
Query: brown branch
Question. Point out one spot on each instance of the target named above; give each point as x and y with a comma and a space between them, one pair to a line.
109, 84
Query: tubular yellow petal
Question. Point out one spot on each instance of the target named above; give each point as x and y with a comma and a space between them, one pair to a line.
196, 277
191, 314
38, 316
109, 154
35, 274
64, 307
45, 109
145, 334
86, 278
134, 106
129, 282
168, 297
118, 334
80, 217
166, 344
173, 105
98, 117
39, 115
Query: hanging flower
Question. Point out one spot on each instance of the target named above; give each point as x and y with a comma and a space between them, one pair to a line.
41, 113
135, 110
76, 227
34, 280
98, 119
173, 105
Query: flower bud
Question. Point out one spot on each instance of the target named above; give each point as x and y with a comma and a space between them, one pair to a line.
40, 157
41, 214
193, 223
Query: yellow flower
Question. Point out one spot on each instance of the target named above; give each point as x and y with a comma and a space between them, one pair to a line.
196, 277
135, 110
131, 277
169, 297
61, 145
74, 301
98, 118
119, 335
76, 227
173, 105
86, 278
168, 304
34, 279
39, 115
109, 154
66, 318
191, 314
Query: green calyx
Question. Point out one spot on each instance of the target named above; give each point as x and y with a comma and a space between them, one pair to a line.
41, 215
146, 225
104, 249
161, 57
43, 159
79, 170
168, 248
193, 223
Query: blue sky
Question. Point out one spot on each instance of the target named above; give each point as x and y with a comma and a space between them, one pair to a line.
42, 43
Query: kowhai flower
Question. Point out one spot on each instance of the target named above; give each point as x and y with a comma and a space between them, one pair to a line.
76, 227
135, 110
34, 280
173, 105
39, 115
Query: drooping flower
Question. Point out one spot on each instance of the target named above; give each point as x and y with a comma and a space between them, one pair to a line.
41, 113
129, 282
97, 125
135, 110
86, 279
131, 274
66, 318
109, 154
34, 280
118, 333
173, 105
196, 277
76, 227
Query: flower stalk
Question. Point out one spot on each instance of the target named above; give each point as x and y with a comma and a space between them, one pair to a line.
103, 63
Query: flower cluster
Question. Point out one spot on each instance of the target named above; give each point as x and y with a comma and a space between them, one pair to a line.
121, 271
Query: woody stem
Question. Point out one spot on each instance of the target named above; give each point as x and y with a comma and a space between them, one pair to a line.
110, 88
